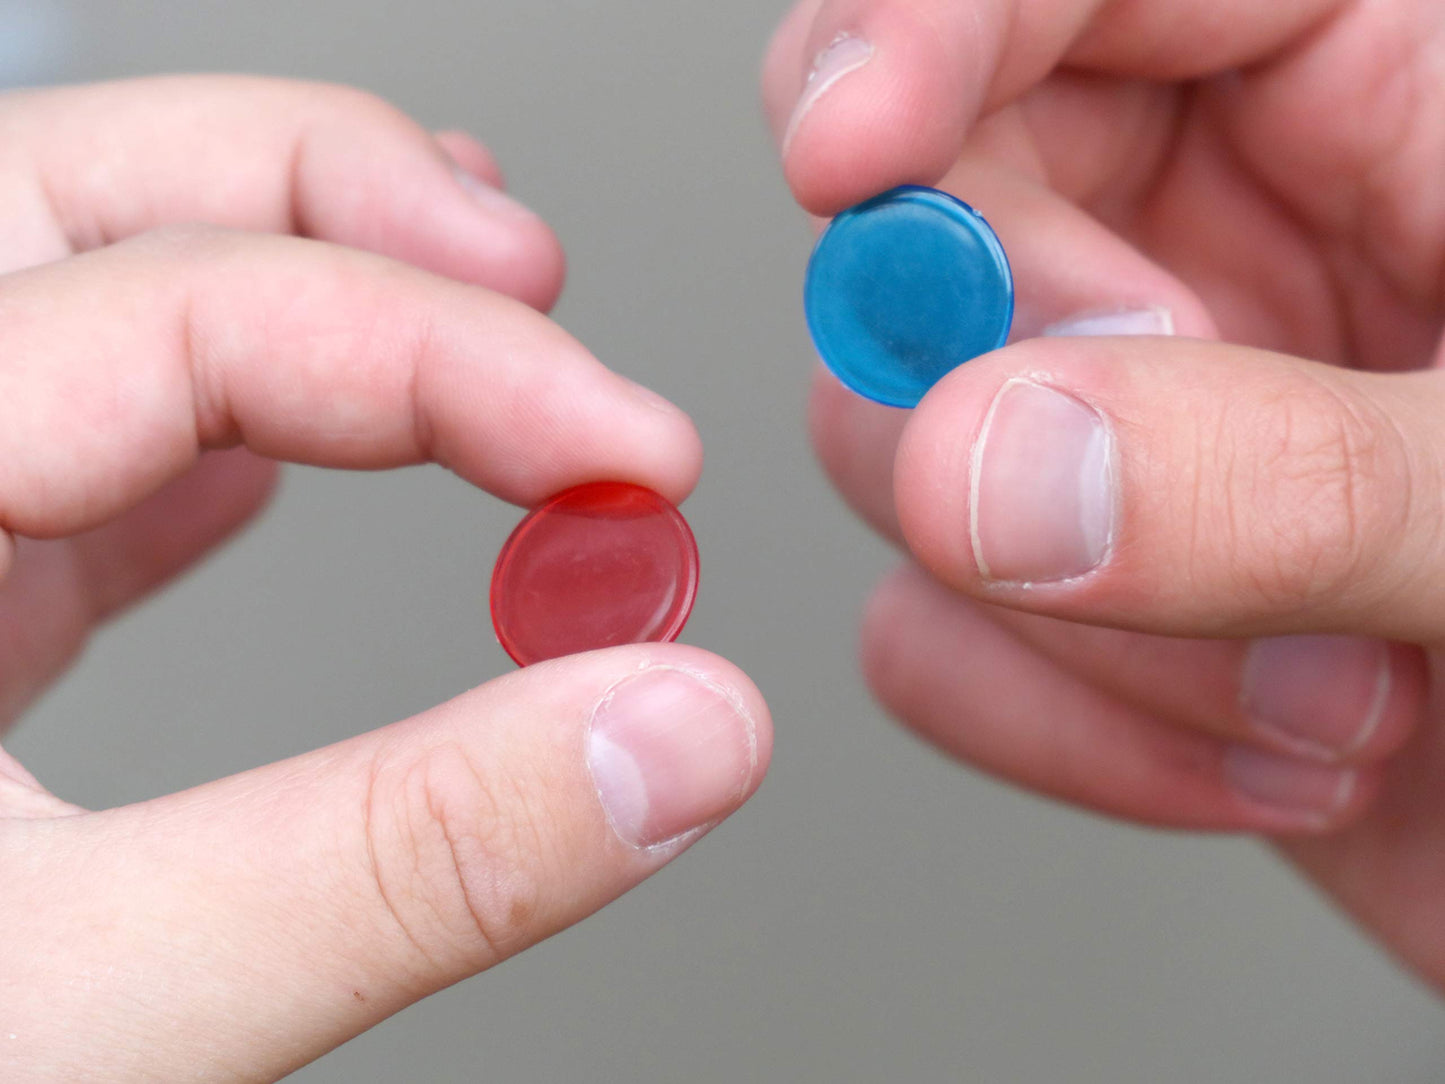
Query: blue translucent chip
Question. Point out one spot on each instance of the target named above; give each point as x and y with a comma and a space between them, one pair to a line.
904, 288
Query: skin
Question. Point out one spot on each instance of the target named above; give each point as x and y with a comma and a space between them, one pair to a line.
1270, 174
205, 277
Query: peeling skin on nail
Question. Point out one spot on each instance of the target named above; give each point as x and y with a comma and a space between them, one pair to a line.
822, 55
1043, 380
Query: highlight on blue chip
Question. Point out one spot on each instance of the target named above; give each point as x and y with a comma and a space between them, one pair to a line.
904, 288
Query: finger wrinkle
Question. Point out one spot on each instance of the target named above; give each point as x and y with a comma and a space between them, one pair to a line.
295, 207
211, 423
57, 242
419, 391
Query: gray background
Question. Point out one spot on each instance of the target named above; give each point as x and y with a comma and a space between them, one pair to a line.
876, 913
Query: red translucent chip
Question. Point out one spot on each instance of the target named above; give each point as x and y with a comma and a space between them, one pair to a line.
595, 566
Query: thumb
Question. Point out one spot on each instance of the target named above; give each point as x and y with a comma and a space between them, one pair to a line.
244, 928
1182, 487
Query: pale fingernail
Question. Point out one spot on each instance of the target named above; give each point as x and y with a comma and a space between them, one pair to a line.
1042, 504
1310, 794
1155, 320
491, 199
845, 53
669, 752
1323, 696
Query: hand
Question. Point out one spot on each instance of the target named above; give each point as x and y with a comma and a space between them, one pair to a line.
241, 929
1173, 580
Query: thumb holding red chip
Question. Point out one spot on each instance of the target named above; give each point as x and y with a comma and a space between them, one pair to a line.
242, 928
247, 926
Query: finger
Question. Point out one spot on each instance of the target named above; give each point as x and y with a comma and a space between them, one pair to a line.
962, 682
259, 154
1381, 869
165, 534
1181, 487
308, 900
1071, 272
781, 64
883, 92
473, 157
1326, 698
856, 441
22, 796
58, 590
122, 364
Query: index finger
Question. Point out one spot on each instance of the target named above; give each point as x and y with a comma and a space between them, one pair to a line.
868, 94
85, 166
121, 365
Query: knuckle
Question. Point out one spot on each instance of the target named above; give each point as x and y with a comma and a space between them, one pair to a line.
455, 857
1313, 478
353, 107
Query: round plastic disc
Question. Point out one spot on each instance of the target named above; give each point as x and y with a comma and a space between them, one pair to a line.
595, 566
904, 288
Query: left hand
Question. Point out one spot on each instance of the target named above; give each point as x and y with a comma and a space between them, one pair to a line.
246, 926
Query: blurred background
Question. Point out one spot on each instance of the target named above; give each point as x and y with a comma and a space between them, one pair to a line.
876, 913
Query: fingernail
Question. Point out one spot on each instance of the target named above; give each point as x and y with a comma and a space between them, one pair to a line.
845, 53
1322, 696
1309, 794
1155, 320
1042, 501
492, 199
669, 752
